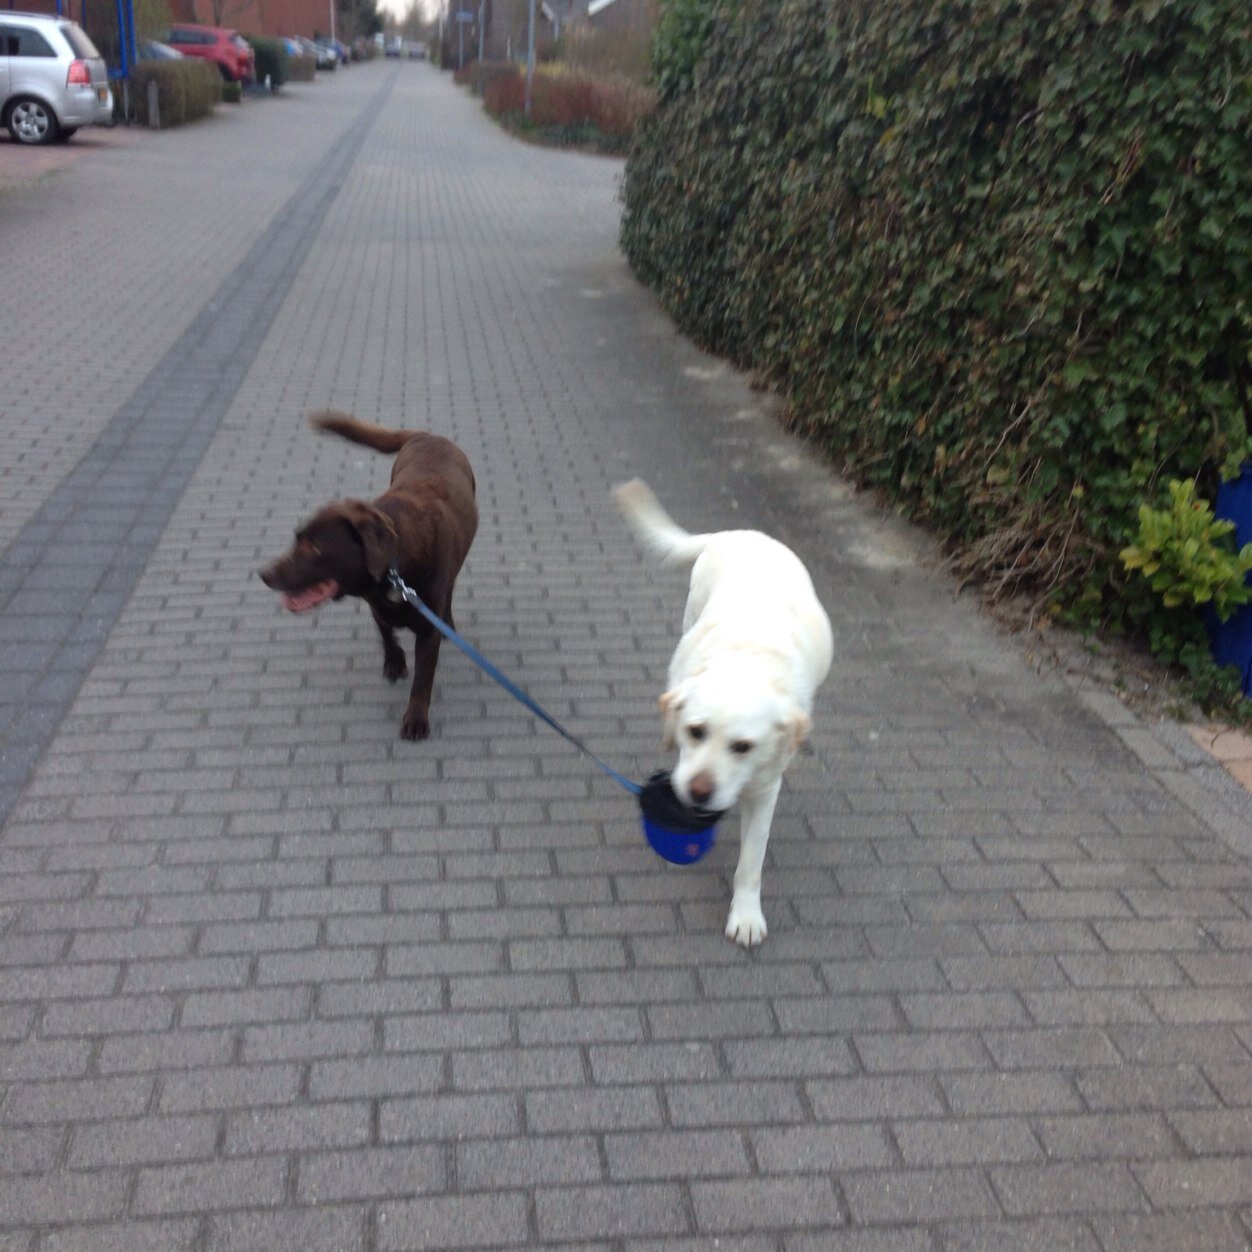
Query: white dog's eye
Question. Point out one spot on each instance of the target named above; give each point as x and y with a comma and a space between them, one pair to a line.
696, 733
741, 747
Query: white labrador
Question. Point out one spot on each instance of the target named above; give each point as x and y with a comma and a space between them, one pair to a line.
756, 645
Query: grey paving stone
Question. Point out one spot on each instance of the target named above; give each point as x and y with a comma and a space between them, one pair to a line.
487, 1164
821, 1149
343, 1228
1106, 1136
90, 1098
205, 1186
418, 1118
341, 1124
594, 1109
1028, 1190
30, 1151
610, 1212
975, 1141
894, 1239
1040, 1235
127, 1236
62, 1196
1203, 1184
439, 1222
143, 1141
912, 1196
368, 1173
1159, 1232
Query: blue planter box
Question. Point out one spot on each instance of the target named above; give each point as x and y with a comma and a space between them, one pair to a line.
1231, 640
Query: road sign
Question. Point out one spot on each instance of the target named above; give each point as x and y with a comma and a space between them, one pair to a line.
464, 17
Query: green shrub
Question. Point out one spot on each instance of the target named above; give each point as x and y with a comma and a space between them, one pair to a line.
272, 61
302, 68
997, 255
682, 31
1184, 552
232, 93
186, 90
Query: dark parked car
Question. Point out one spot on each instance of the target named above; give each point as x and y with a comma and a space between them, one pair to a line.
327, 55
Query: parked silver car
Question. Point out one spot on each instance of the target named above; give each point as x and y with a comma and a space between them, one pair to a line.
52, 78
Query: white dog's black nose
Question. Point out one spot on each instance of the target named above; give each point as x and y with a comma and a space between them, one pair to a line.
700, 788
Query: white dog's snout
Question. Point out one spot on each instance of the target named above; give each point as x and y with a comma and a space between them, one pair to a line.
701, 788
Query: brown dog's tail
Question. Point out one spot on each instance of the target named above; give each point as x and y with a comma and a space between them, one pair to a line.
343, 424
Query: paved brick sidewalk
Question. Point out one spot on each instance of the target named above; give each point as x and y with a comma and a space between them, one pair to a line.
272, 978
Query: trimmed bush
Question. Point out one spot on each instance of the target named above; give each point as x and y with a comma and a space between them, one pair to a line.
186, 90
997, 255
569, 108
272, 61
302, 68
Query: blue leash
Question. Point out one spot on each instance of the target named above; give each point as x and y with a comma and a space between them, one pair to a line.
398, 590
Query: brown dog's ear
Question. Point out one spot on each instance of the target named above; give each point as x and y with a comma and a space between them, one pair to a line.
377, 535
797, 727
670, 704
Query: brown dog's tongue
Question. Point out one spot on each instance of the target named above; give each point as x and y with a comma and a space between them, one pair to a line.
310, 597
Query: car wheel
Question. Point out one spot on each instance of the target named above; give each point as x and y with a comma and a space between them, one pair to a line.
31, 121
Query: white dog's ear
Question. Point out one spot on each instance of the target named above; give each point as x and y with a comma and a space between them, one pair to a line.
670, 704
797, 727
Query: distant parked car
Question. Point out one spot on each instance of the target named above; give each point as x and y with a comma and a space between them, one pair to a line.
395, 46
229, 51
327, 55
417, 51
155, 50
52, 78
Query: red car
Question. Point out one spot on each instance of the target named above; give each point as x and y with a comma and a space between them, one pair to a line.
231, 52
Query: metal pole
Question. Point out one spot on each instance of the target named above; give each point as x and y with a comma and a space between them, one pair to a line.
530, 61
481, 6
332, 27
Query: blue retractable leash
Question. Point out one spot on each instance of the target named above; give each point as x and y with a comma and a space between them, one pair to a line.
674, 831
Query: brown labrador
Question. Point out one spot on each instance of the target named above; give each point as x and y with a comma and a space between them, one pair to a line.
423, 524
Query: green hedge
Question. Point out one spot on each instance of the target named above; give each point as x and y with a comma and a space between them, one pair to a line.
186, 90
996, 253
272, 61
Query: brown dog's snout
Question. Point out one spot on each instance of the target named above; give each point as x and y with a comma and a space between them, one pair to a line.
700, 788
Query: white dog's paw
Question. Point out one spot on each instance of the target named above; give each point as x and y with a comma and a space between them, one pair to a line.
746, 923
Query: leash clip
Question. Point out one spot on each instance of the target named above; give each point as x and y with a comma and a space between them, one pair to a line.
398, 591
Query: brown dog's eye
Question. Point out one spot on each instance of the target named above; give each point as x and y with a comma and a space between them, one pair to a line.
741, 747
307, 546
696, 733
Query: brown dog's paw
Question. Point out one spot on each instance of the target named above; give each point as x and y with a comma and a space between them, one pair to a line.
415, 725
395, 667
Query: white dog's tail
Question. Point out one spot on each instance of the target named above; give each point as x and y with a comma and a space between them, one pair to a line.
654, 527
